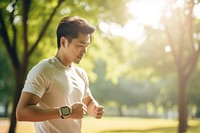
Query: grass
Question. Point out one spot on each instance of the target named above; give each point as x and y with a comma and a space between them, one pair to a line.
115, 125
135, 125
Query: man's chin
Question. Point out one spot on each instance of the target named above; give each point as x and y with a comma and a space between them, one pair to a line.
77, 62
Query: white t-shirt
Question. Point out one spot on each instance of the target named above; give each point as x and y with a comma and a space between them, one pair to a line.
57, 86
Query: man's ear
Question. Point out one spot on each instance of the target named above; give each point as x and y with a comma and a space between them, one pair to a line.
63, 41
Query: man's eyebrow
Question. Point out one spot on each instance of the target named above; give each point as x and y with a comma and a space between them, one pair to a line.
86, 43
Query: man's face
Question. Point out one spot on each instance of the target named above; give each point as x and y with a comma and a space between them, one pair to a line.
77, 48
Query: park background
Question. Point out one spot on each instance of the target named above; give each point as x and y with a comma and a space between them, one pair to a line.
143, 63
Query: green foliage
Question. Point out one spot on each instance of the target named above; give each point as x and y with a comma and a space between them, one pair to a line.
6, 76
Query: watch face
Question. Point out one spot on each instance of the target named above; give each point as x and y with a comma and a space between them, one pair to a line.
65, 111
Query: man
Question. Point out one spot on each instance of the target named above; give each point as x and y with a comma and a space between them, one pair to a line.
56, 94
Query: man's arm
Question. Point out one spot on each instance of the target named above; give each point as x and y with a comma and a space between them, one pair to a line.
93, 108
27, 110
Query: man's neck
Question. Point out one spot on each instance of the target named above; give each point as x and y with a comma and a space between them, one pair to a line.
65, 62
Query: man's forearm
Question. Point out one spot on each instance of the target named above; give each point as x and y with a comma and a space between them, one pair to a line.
34, 113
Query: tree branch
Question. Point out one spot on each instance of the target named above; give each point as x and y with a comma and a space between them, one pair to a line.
25, 8
13, 26
4, 33
191, 39
181, 42
45, 27
190, 26
12, 53
171, 43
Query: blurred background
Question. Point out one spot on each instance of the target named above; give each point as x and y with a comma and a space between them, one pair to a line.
143, 61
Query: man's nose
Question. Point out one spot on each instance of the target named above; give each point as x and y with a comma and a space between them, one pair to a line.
84, 50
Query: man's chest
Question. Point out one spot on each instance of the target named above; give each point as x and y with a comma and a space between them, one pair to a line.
68, 84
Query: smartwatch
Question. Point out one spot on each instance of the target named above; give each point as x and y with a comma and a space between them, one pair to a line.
65, 111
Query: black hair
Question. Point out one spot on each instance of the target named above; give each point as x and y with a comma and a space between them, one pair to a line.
70, 27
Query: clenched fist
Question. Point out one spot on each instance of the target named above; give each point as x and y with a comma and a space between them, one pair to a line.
78, 110
96, 110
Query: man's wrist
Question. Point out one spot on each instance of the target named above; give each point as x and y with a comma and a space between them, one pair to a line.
65, 112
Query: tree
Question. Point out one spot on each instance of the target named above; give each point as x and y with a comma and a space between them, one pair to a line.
185, 49
181, 42
9, 31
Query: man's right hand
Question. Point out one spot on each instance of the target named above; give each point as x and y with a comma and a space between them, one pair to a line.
78, 110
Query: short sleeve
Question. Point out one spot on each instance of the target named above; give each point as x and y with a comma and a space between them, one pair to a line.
38, 79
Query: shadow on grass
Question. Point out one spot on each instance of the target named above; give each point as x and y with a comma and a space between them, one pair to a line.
194, 129
161, 130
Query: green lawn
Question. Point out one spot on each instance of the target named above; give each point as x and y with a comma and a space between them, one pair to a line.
135, 125
116, 125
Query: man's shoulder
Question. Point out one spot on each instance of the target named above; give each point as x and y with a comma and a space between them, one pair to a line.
48, 62
43, 66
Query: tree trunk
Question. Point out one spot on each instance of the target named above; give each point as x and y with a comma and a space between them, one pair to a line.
6, 104
20, 76
120, 110
182, 105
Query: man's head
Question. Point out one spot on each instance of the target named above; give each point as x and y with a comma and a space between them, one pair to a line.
70, 27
